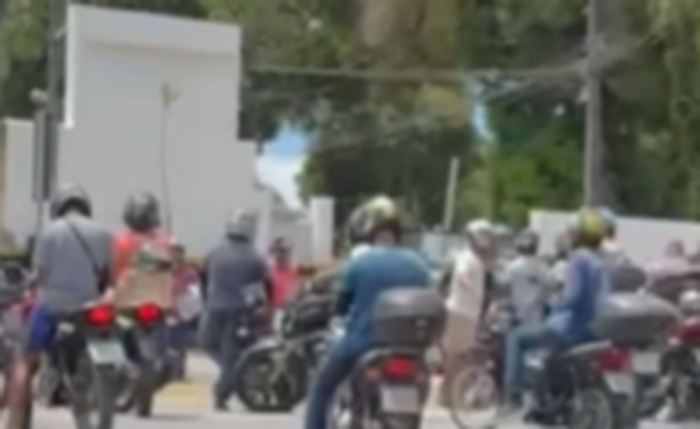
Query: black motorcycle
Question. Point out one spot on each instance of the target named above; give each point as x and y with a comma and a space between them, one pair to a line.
274, 373
82, 366
601, 385
151, 363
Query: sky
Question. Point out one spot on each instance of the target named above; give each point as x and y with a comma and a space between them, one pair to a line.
284, 158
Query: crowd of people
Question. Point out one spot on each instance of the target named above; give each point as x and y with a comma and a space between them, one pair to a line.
76, 260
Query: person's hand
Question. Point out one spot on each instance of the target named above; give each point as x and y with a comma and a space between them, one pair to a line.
108, 296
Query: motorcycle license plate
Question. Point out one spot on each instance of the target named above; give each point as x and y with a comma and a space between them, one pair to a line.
400, 399
106, 351
619, 382
646, 362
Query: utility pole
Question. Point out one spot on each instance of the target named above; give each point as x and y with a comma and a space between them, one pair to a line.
594, 145
451, 194
56, 42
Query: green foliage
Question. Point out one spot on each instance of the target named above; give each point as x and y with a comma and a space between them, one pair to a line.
397, 136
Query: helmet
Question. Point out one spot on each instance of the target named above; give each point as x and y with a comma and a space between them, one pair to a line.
588, 227
527, 242
480, 232
70, 198
689, 303
609, 219
142, 212
241, 224
379, 213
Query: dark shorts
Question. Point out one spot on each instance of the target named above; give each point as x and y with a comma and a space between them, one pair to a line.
41, 327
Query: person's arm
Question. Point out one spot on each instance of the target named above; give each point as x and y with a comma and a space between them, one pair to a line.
204, 276
574, 284
347, 287
41, 253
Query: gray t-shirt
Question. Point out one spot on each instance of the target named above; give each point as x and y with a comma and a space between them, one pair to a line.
530, 283
230, 269
68, 273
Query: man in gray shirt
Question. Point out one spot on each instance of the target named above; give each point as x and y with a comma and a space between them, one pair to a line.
235, 281
71, 262
529, 281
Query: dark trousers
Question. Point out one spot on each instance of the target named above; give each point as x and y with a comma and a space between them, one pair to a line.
336, 368
218, 337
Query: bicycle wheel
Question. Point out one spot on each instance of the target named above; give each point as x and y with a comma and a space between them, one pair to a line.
474, 399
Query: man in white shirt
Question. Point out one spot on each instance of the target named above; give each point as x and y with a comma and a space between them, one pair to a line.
465, 300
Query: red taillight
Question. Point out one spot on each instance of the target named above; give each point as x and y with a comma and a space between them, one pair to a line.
148, 313
613, 360
100, 316
399, 367
688, 331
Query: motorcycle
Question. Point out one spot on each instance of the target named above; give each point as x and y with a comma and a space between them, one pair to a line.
602, 384
151, 364
391, 383
274, 372
682, 372
82, 364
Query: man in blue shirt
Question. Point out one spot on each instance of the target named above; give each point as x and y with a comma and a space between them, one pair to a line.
586, 282
383, 266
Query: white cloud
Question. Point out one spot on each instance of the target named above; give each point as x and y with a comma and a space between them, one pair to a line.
279, 172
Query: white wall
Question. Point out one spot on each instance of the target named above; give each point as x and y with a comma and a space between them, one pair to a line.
644, 239
112, 140
125, 138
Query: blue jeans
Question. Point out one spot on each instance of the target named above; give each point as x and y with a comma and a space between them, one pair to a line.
519, 342
336, 368
219, 340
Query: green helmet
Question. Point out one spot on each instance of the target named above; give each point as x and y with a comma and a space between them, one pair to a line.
588, 226
376, 214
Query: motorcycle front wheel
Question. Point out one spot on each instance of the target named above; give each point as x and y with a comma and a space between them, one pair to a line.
270, 383
597, 408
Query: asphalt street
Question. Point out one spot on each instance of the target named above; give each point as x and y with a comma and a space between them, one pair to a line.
187, 406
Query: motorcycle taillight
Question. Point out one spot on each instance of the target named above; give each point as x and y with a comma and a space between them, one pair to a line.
688, 331
614, 359
398, 367
148, 313
100, 316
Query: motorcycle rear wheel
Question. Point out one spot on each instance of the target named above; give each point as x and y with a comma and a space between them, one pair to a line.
92, 398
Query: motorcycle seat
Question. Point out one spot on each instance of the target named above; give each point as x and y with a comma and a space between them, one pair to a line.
586, 350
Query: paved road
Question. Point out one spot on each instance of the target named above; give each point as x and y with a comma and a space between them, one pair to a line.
187, 406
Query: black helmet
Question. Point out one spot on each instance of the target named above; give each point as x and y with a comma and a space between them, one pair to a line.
241, 225
379, 213
527, 242
142, 212
68, 199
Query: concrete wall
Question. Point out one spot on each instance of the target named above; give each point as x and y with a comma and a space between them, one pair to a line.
120, 133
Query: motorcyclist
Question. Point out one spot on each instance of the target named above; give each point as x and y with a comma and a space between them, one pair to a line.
142, 220
587, 278
71, 265
231, 272
385, 266
528, 280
